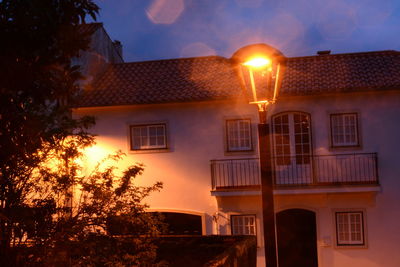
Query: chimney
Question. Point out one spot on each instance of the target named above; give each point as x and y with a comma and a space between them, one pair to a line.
118, 47
324, 52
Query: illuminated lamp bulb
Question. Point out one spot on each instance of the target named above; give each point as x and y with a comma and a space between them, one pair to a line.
258, 62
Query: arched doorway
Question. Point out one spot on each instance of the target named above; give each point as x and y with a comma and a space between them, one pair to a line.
297, 238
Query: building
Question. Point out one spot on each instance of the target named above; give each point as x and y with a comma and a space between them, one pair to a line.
102, 51
335, 131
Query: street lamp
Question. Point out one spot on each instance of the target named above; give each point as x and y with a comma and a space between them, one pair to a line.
260, 68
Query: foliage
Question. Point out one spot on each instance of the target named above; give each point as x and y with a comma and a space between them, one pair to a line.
40, 143
101, 195
39, 38
82, 229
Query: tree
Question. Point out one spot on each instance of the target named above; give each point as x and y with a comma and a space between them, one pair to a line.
39, 141
89, 229
39, 38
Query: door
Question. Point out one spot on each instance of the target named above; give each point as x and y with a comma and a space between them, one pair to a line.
296, 238
292, 148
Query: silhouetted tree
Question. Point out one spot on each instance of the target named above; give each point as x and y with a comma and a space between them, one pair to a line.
40, 142
39, 38
103, 198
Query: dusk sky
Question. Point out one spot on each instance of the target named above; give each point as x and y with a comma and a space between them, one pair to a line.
162, 29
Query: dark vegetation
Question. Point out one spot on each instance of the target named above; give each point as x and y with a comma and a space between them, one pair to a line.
43, 221
207, 251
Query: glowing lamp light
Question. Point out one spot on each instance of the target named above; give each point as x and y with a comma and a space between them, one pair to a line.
258, 62
259, 70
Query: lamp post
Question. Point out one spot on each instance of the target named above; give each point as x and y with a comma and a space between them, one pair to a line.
259, 67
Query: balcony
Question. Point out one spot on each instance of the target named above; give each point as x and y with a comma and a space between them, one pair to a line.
297, 172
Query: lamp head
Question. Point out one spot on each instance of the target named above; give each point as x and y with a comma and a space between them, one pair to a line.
258, 67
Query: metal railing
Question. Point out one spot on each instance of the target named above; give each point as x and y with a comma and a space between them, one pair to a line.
296, 171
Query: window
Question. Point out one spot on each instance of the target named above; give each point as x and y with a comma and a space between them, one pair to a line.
238, 135
349, 228
243, 224
180, 223
344, 130
175, 224
292, 139
151, 136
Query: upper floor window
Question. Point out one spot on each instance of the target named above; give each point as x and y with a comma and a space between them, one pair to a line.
149, 136
243, 224
350, 228
292, 138
344, 130
238, 135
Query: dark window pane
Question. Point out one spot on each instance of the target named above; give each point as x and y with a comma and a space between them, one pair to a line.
297, 128
287, 150
285, 118
296, 118
304, 127
285, 129
285, 139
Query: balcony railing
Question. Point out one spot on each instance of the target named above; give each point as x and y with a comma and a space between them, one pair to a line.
297, 171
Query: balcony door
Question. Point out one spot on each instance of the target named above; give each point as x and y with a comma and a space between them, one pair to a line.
292, 148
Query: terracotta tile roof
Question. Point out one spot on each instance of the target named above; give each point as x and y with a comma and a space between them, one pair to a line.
164, 81
212, 78
342, 73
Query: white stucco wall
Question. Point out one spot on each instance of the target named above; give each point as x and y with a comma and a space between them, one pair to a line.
379, 132
196, 136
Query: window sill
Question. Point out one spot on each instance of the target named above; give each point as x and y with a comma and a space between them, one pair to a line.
239, 153
351, 246
150, 151
345, 148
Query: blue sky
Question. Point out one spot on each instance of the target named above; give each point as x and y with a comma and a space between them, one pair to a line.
161, 29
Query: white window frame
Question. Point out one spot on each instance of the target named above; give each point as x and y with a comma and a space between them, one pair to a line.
341, 127
244, 224
147, 128
241, 136
290, 146
348, 231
